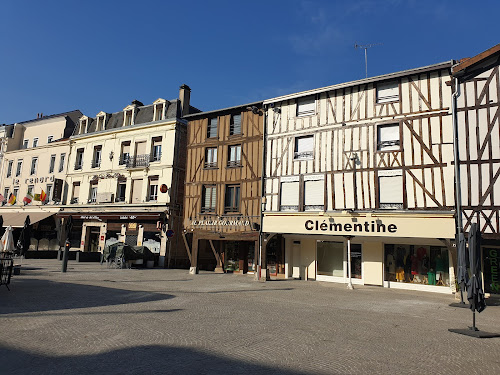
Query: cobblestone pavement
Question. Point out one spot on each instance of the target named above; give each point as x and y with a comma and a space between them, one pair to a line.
154, 321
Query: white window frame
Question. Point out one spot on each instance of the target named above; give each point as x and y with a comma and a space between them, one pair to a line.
19, 167
302, 153
211, 157
232, 129
34, 165
306, 106
52, 164
393, 180
383, 141
10, 164
26, 143
50, 139
234, 156
212, 200
97, 157
49, 192
93, 193
153, 189
290, 194
212, 128
62, 159
387, 92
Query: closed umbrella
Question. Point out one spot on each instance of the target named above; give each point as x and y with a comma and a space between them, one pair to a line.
475, 293
1, 225
23, 243
7, 241
462, 274
67, 226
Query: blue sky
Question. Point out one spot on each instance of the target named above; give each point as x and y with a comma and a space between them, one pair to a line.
90, 55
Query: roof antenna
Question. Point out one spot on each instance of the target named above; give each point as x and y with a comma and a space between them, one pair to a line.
365, 47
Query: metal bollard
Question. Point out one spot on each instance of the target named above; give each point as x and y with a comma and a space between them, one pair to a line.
65, 256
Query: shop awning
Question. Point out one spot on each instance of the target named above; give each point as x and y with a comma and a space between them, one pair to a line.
16, 219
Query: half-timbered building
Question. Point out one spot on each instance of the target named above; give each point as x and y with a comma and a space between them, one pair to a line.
478, 124
359, 182
223, 188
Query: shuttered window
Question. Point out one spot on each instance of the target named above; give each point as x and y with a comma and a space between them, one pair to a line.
388, 137
209, 198
235, 126
136, 191
306, 106
390, 184
314, 193
289, 196
76, 192
304, 147
212, 128
388, 92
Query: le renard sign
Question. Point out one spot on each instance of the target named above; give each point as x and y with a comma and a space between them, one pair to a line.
416, 225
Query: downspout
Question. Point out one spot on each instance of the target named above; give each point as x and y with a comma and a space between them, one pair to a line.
262, 193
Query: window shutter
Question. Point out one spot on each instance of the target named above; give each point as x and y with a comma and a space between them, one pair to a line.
314, 193
305, 144
236, 124
290, 193
391, 189
388, 137
214, 195
387, 92
306, 106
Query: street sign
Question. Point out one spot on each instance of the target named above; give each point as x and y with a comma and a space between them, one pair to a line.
170, 233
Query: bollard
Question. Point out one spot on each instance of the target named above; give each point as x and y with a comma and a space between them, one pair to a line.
65, 256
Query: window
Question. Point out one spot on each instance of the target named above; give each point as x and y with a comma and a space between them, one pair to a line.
16, 192
156, 145
128, 118
159, 112
306, 106
289, 194
100, 123
9, 168
304, 147
83, 125
232, 202
388, 137
19, 167
49, 193
211, 157
235, 125
137, 191
34, 164
76, 192
25, 143
61, 162
29, 194
79, 159
330, 258
387, 92
93, 193
96, 163
390, 185
234, 156
5, 195
52, 163
125, 153
212, 128
153, 189
209, 195
314, 193
50, 139
120, 190
35, 142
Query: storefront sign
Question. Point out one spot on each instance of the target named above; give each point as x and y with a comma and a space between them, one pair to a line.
132, 226
221, 222
86, 217
33, 180
103, 176
412, 225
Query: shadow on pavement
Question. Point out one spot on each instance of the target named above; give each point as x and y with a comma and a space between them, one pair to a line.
30, 295
135, 360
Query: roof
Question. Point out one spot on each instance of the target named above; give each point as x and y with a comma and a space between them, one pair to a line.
477, 64
443, 65
228, 109
75, 113
143, 115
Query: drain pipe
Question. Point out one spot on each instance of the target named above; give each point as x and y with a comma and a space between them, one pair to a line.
262, 193
456, 160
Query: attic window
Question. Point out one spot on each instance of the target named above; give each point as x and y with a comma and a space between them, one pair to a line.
100, 123
83, 125
159, 112
128, 118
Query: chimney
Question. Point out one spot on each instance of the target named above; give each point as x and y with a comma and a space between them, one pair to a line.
184, 97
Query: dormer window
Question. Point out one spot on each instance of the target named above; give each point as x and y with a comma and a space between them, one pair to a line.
128, 118
101, 121
159, 109
129, 113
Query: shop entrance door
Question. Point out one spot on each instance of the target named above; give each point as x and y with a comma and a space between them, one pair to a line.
92, 243
356, 261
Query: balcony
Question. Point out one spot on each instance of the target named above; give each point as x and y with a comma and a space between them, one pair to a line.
78, 166
139, 161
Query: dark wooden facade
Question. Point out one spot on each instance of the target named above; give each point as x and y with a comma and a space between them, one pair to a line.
208, 227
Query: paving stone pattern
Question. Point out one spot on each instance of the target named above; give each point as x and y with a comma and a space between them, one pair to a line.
154, 321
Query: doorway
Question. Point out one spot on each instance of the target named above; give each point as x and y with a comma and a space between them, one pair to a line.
92, 239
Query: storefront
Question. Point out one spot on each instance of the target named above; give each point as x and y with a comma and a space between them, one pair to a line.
403, 250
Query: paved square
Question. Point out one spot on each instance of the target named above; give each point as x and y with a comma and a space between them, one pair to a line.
155, 321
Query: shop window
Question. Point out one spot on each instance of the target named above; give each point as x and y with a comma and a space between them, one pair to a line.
96, 162
137, 191
120, 190
62, 159
52, 163
235, 125
232, 199
212, 128
209, 195
34, 165
356, 261
9, 168
79, 159
304, 147
156, 149
76, 192
314, 193
234, 153
306, 106
231, 256
289, 195
417, 264
388, 137
387, 92
390, 186
125, 153
211, 157
153, 189
330, 257
93, 193
19, 167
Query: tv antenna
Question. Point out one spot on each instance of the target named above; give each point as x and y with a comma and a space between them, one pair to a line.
365, 47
